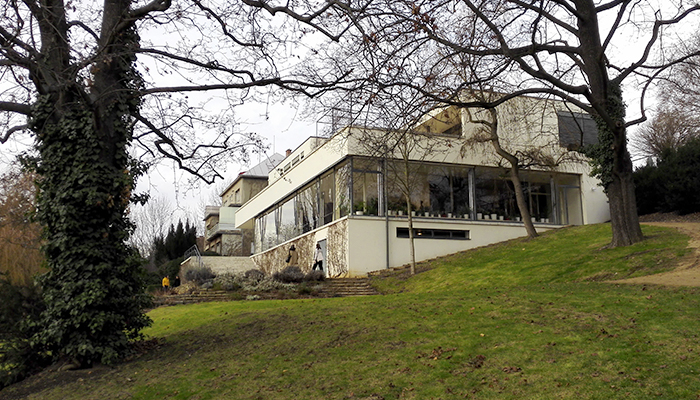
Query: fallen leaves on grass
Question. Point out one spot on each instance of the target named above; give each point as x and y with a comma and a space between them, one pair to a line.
477, 362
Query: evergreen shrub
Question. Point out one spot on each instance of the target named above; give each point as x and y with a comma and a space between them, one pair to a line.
199, 275
291, 274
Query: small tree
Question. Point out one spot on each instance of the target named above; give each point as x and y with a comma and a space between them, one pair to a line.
167, 252
20, 234
668, 130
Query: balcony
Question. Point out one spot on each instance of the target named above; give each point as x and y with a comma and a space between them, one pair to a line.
219, 229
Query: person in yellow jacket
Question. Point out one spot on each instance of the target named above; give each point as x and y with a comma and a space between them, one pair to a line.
166, 284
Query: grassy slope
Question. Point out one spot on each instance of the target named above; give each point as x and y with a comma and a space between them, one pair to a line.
526, 319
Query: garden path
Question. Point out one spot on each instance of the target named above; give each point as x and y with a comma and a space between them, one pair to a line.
687, 273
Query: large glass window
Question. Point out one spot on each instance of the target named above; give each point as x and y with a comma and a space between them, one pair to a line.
406, 178
366, 185
287, 223
308, 208
327, 197
540, 200
355, 185
270, 230
495, 195
435, 190
342, 189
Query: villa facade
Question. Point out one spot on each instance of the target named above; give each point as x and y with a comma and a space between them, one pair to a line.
339, 193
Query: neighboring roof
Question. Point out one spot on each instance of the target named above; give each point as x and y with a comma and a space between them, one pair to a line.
261, 170
264, 168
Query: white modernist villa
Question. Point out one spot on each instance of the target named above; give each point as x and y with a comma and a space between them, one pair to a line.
337, 193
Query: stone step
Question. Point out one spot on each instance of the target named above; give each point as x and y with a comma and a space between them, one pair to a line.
339, 287
348, 287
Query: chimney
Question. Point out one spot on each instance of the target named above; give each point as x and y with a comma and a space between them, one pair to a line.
289, 152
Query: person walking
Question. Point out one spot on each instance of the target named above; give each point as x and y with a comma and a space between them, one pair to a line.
292, 257
318, 258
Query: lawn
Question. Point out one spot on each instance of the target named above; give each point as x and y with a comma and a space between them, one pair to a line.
520, 320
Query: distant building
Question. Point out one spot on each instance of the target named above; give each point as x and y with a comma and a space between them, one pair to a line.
221, 235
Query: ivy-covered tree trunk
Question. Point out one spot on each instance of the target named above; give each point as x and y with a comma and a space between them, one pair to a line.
620, 189
93, 291
610, 159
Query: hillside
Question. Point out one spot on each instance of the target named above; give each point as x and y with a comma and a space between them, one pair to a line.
525, 319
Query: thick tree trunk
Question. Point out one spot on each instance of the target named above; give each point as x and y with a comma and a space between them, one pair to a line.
623, 205
93, 290
615, 165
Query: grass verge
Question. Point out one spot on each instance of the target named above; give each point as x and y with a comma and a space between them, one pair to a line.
524, 319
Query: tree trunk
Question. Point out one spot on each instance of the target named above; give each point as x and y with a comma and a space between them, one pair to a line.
93, 290
624, 219
411, 240
614, 163
514, 175
520, 200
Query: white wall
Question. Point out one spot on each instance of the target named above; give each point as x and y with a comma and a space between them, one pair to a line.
367, 240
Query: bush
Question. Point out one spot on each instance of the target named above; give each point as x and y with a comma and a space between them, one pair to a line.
199, 275
315, 276
673, 184
290, 274
20, 308
241, 282
254, 275
229, 281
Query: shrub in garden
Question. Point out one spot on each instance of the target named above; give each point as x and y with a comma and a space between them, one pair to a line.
290, 274
254, 275
315, 276
229, 281
199, 275
269, 284
20, 308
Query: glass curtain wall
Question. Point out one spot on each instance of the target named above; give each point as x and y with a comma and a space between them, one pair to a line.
435, 190
366, 187
342, 189
308, 208
318, 203
355, 186
495, 196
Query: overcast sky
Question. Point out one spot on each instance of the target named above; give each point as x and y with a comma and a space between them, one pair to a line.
280, 124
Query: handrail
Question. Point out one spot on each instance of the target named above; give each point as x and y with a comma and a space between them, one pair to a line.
194, 251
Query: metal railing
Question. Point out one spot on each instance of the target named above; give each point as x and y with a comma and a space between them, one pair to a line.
194, 252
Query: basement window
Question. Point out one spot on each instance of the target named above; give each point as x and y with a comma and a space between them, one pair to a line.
450, 234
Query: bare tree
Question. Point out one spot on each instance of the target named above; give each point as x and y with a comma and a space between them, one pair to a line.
565, 49
90, 81
666, 131
401, 149
678, 116
151, 220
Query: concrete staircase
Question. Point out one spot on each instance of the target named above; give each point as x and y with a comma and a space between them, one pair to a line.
339, 287
343, 287
197, 296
